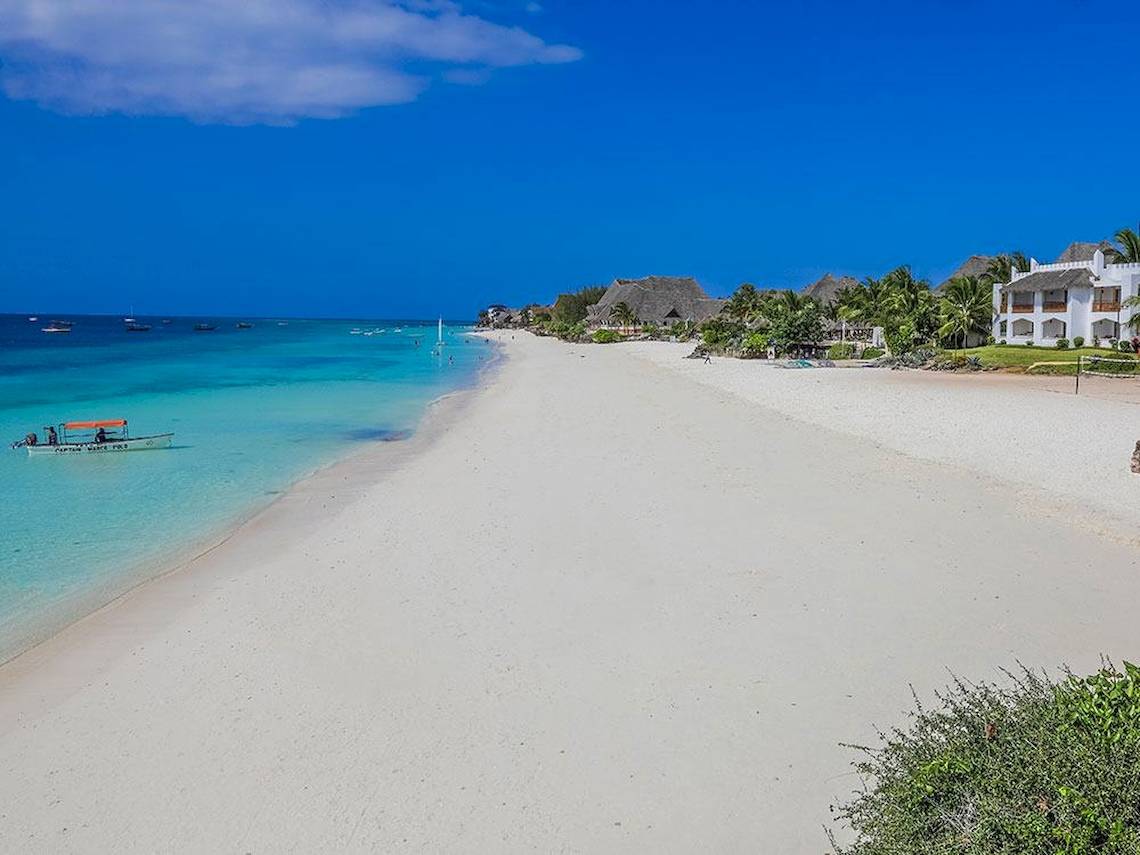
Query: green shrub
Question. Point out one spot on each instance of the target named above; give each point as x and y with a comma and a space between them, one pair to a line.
650, 330
1029, 343
755, 346
1125, 346
571, 308
872, 352
989, 339
842, 350
1078, 341
1034, 767
682, 330
1003, 342
565, 331
606, 336
1062, 344
718, 333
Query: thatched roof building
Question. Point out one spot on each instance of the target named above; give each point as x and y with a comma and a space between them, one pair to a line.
661, 300
823, 291
1082, 251
975, 265
1052, 280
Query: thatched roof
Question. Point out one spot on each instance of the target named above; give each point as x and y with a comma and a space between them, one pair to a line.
1080, 251
1052, 280
657, 299
823, 290
975, 265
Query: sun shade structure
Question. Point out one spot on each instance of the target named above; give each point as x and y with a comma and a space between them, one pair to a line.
105, 423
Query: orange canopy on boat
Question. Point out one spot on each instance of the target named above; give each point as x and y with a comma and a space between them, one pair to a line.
98, 424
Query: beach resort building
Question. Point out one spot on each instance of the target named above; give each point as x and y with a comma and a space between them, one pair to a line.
661, 300
1081, 294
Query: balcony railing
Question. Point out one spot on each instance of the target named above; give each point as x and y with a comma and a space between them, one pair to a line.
1106, 307
1055, 306
1018, 308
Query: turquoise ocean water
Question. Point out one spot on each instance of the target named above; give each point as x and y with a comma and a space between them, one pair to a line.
252, 411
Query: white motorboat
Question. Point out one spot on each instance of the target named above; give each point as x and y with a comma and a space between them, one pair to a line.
91, 437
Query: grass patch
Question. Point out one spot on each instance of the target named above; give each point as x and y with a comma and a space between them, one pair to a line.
1019, 357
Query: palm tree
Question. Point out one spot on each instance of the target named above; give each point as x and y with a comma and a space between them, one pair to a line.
966, 307
792, 301
910, 304
1001, 268
744, 305
623, 314
1130, 247
867, 303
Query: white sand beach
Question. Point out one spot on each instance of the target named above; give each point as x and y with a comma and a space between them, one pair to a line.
613, 601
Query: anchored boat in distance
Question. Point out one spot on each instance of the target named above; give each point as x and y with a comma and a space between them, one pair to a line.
91, 437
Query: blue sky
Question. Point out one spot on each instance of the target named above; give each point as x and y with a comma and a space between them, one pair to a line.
375, 158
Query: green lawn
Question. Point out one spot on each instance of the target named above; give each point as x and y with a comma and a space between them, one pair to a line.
1018, 357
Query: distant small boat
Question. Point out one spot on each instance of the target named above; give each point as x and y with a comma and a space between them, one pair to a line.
244, 325
166, 320
92, 437
282, 323
135, 327
55, 328
204, 328
33, 319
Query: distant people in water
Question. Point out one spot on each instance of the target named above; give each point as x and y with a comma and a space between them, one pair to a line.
31, 439
52, 439
100, 436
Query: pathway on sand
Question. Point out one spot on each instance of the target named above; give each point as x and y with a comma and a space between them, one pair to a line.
607, 609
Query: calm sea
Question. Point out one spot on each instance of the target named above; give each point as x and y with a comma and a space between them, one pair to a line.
252, 411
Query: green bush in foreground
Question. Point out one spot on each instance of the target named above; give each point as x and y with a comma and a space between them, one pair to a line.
1061, 344
1078, 341
1040, 768
754, 346
872, 352
606, 336
842, 350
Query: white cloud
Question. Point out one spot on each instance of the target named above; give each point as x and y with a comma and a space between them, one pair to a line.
243, 61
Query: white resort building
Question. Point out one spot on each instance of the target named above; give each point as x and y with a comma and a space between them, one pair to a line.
1080, 295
